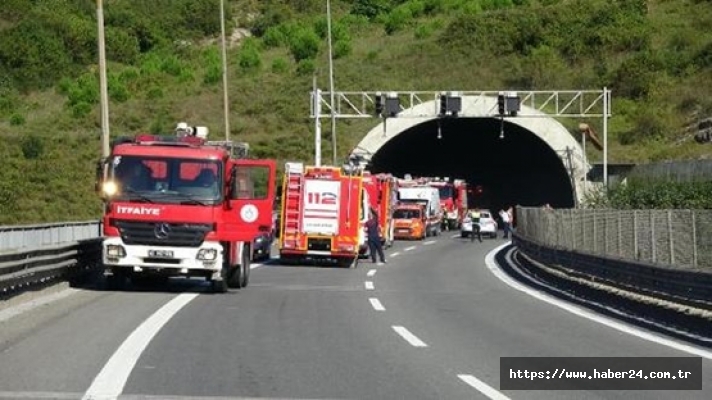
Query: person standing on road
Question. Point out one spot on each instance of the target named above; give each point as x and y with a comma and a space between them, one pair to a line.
475, 218
506, 223
373, 236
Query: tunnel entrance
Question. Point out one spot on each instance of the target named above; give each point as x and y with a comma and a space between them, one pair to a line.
518, 169
537, 162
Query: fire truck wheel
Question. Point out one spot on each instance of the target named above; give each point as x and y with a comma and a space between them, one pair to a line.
239, 276
245, 270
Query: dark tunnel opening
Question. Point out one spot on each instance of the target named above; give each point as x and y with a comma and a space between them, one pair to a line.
520, 169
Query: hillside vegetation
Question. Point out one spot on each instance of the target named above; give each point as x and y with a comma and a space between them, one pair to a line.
165, 67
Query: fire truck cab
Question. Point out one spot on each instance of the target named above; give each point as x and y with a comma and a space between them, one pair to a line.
182, 205
453, 199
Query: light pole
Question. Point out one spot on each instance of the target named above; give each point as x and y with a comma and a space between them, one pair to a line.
606, 112
316, 107
331, 82
226, 105
102, 81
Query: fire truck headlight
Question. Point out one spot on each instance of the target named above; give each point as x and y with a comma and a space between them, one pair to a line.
109, 188
347, 247
115, 251
207, 254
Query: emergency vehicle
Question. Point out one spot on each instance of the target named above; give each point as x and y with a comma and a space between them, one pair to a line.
410, 222
383, 197
183, 205
415, 192
453, 199
324, 211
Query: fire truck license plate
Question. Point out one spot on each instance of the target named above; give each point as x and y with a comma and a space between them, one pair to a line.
160, 253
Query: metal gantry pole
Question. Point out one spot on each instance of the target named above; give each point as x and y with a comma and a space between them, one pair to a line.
585, 163
226, 104
605, 137
105, 150
331, 82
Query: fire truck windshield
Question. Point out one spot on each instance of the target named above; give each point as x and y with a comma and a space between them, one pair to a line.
406, 214
445, 192
167, 180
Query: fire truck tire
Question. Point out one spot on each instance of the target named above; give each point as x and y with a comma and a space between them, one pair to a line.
239, 276
245, 270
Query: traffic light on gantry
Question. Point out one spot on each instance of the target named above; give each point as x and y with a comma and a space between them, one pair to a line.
392, 104
379, 103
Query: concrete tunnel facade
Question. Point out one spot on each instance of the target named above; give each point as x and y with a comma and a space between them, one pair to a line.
537, 162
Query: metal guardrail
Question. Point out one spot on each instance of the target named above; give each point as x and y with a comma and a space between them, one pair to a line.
18, 237
679, 286
673, 239
32, 266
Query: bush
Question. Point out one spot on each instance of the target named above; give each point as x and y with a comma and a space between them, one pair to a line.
662, 194
213, 74
81, 109
279, 65
249, 56
342, 48
17, 119
271, 16
398, 19
306, 67
121, 46
274, 37
84, 89
371, 8
635, 76
304, 45
32, 147
36, 54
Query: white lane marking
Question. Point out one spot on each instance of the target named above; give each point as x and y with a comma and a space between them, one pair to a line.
110, 381
376, 304
409, 248
590, 315
482, 387
371, 272
455, 236
369, 285
395, 254
429, 242
409, 337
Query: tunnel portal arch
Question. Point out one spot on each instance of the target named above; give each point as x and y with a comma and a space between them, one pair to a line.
537, 162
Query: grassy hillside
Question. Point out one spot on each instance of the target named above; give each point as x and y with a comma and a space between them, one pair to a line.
164, 66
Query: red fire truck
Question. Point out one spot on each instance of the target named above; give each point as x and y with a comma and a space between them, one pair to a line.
182, 205
382, 193
324, 210
453, 199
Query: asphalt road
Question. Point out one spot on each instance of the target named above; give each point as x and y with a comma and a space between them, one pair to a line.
431, 324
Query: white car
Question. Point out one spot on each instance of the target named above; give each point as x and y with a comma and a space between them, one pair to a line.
488, 225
